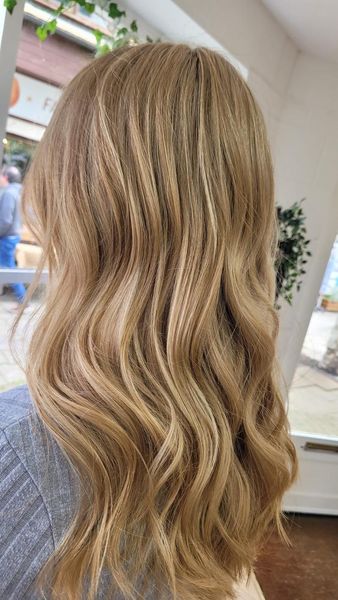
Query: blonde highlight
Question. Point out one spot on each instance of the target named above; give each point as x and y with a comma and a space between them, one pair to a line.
153, 363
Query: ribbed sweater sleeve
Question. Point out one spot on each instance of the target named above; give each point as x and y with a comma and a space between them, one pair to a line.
26, 539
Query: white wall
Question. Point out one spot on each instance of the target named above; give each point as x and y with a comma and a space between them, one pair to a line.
248, 30
306, 165
174, 24
243, 28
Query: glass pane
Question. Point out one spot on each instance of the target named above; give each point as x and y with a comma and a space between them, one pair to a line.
26, 256
11, 374
313, 398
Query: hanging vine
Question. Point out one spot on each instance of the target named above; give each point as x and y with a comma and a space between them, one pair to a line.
118, 31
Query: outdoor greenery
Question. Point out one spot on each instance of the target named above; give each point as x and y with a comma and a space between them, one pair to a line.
293, 250
119, 33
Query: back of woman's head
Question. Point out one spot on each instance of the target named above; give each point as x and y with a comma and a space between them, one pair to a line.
152, 363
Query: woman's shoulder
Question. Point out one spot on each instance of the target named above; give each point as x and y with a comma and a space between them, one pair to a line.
22, 430
43, 459
15, 404
16, 434
26, 536
38, 491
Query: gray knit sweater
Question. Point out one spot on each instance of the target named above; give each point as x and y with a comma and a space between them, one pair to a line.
38, 493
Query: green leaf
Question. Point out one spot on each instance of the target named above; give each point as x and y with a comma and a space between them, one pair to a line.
89, 7
52, 26
103, 49
120, 42
133, 26
114, 11
43, 31
10, 5
122, 32
98, 35
59, 10
149, 39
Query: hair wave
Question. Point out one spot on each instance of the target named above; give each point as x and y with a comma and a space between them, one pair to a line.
153, 362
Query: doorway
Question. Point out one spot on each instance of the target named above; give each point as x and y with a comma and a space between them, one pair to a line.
313, 404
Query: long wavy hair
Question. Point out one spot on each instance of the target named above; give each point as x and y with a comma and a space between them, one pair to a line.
153, 361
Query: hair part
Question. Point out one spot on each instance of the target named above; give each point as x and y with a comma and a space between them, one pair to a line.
153, 363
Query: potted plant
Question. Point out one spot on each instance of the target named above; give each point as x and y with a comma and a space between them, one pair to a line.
293, 250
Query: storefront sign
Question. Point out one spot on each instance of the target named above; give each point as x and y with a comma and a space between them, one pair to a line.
33, 100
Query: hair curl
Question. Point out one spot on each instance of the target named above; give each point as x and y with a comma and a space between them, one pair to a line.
153, 362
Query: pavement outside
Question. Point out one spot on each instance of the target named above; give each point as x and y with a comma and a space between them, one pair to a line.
11, 375
313, 397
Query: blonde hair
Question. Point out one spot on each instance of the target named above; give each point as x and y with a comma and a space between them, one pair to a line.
152, 364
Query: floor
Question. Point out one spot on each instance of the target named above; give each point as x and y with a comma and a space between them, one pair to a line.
313, 402
308, 570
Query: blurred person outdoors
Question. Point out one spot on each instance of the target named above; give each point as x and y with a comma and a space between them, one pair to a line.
10, 222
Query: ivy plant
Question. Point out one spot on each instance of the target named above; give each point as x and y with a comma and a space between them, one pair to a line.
118, 33
293, 250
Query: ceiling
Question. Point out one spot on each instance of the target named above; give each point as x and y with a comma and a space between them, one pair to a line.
311, 24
